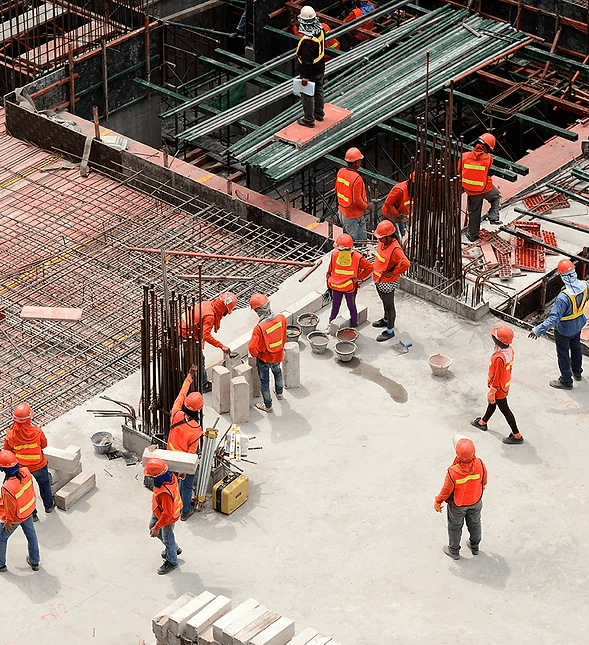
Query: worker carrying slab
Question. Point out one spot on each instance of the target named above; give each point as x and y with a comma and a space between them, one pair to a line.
474, 167
267, 347
463, 493
27, 441
568, 319
398, 206
184, 435
352, 202
347, 268
212, 312
17, 505
310, 57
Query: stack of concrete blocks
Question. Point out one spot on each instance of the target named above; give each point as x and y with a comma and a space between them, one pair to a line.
178, 462
68, 482
340, 322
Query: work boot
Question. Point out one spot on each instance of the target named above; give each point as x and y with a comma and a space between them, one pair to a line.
477, 424
279, 396
577, 377
50, 509
450, 554
472, 238
34, 567
474, 549
495, 222
380, 323
307, 124
207, 387
189, 513
3, 569
559, 385
319, 118
385, 335
166, 568
35, 517
178, 552
512, 439
262, 406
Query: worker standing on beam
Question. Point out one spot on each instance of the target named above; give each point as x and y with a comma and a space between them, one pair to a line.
267, 347
310, 58
398, 206
346, 271
478, 185
389, 263
184, 436
567, 318
17, 504
463, 492
27, 441
350, 191
212, 312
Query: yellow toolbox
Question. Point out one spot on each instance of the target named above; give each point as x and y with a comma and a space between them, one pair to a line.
230, 493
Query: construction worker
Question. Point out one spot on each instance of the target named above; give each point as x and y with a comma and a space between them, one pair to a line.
463, 492
212, 311
27, 441
346, 271
498, 381
389, 263
478, 185
310, 58
567, 318
185, 433
267, 347
351, 196
17, 504
165, 508
361, 9
398, 205
333, 43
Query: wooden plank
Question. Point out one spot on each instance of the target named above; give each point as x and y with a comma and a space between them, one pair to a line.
51, 313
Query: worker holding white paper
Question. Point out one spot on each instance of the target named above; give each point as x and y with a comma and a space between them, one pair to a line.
311, 67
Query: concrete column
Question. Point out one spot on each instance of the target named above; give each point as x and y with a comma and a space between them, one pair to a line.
255, 376
239, 400
245, 370
221, 395
291, 367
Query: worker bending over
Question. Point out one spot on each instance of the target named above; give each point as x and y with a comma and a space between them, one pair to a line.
310, 57
351, 196
398, 206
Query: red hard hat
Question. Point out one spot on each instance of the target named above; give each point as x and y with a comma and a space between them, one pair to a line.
384, 228
22, 413
194, 401
229, 299
504, 334
155, 467
345, 240
353, 154
489, 140
565, 266
257, 300
7, 459
465, 450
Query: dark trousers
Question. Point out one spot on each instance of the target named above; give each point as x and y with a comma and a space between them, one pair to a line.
42, 477
456, 517
351, 302
570, 356
505, 410
388, 303
314, 106
474, 204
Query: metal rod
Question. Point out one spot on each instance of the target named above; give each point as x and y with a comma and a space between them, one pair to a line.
216, 256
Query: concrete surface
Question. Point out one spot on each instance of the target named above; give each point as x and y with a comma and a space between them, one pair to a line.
339, 532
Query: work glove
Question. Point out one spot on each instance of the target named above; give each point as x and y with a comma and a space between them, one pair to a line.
491, 395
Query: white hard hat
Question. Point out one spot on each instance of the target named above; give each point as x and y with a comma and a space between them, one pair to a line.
307, 13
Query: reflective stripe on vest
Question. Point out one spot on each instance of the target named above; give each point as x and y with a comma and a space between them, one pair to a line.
23, 492
278, 325
320, 40
465, 479
346, 183
25, 456
577, 310
273, 333
475, 170
345, 263
29, 502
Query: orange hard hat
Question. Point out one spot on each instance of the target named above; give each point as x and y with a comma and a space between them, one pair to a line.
504, 334
465, 450
345, 240
257, 300
7, 459
194, 401
22, 413
155, 467
229, 299
565, 266
353, 154
384, 228
489, 140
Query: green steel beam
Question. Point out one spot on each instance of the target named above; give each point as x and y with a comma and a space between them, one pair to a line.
246, 62
568, 193
228, 69
364, 171
558, 61
580, 174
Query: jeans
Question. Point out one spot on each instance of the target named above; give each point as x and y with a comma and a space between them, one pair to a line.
185, 485
505, 410
456, 517
388, 303
351, 302
356, 228
474, 204
570, 356
264, 374
42, 477
29, 530
314, 106
166, 535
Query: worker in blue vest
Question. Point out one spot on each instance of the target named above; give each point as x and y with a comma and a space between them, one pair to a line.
567, 318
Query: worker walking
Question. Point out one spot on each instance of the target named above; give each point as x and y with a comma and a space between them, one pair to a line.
498, 382
398, 206
27, 441
347, 268
567, 318
478, 185
351, 196
310, 58
17, 504
463, 492
185, 433
212, 312
267, 347
389, 263
165, 508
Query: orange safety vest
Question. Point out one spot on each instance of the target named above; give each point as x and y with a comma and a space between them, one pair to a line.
23, 492
578, 302
344, 187
344, 265
475, 172
170, 488
357, 13
183, 436
382, 258
468, 489
507, 356
272, 333
407, 201
317, 39
29, 454
206, 307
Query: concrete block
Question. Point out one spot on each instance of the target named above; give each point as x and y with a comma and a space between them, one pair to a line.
159, 622
278, 633
207, 637
304, 637
59, 479
231, 361
220, 625
240, 400
239, 345
362, 313
245, 370
311, 303
74, 490
207, 616
178, 619
291, 367
134, 441
255, 376
245, 635
178, 462
66, 461
221, 383
240, 623
173, 639
338, 323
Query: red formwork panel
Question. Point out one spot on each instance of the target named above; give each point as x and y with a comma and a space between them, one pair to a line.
550, 238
